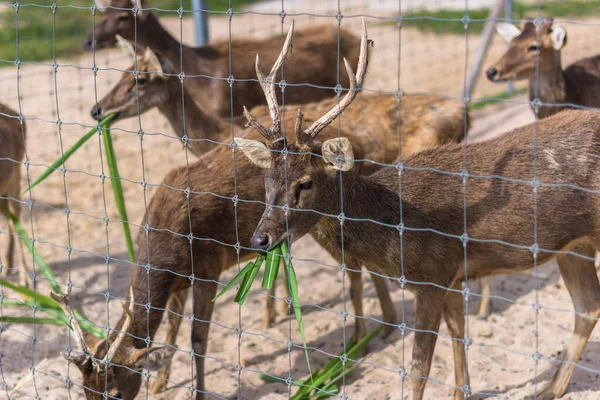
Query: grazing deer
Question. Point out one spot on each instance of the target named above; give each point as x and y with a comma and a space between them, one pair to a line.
534, 54
207, 68
166, 248
12, 151
408, 222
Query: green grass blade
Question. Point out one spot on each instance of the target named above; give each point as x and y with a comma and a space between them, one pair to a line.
236, 278
115, 180
248, 280
271, 268
31, 320
275, 379
66, 155
292, 284
47, 305
44, 268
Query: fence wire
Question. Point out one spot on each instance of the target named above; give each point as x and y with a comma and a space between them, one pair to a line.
86, 251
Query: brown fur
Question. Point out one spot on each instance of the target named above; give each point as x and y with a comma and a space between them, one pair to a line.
315, 51
169, 212
12, 151
578, 84
568, 153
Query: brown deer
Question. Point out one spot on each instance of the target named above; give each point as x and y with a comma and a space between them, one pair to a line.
207, 68
408, 222
166, 248
12, 151
535, 54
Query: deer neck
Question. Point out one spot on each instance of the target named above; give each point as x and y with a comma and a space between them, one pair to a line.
184, 58
550, 85
187, 117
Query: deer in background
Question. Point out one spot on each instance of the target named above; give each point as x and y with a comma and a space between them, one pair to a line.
12, 152
165, 245
315, 51
532, 49
411, 224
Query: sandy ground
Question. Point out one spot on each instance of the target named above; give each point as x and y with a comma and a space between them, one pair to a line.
500, 360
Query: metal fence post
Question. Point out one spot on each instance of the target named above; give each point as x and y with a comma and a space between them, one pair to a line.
508, 14
486, 38
200, 22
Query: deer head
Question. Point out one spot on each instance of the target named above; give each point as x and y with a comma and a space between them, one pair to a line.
113, 365
128, 98
299, 175
118, 19
526, 45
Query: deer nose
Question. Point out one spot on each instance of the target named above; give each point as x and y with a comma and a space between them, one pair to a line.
260, 241
96, 112
87, 44
491, 73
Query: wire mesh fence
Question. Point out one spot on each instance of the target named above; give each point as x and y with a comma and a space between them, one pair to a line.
194, 199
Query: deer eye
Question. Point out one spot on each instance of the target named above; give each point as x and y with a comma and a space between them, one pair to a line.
142, 79
534, 47
306, 185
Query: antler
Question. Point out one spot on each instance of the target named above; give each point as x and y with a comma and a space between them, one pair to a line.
112, 350
268, 86
87, 353
356, 82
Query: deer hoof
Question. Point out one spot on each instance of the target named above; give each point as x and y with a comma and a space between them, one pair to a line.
158, 386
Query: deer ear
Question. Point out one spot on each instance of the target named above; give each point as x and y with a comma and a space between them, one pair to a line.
100, 5
256, 152
333, 148
142, 5
126, 46
152, 61
507, 31
154, 358
559, 37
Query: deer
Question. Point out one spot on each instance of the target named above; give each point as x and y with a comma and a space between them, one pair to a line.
408, 221
12, 152
164, 245
534, 54
207, 69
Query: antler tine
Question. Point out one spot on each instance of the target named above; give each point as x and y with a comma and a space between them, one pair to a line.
65, 305
268, 86
356, 82
112, 350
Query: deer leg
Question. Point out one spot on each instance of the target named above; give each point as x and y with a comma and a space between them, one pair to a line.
581, 280
270, 314
455, 319
429, 304
356, 296
25, 274
203, 293
485, 302
387, 306
176, 305
9, 265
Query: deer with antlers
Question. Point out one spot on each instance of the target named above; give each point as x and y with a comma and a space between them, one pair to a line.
408, 222
12, 152
535, 54
165, 246
207, 68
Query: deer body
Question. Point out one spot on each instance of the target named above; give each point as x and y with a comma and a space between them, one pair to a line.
207, 68
536, 56
12, 151
500, 210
